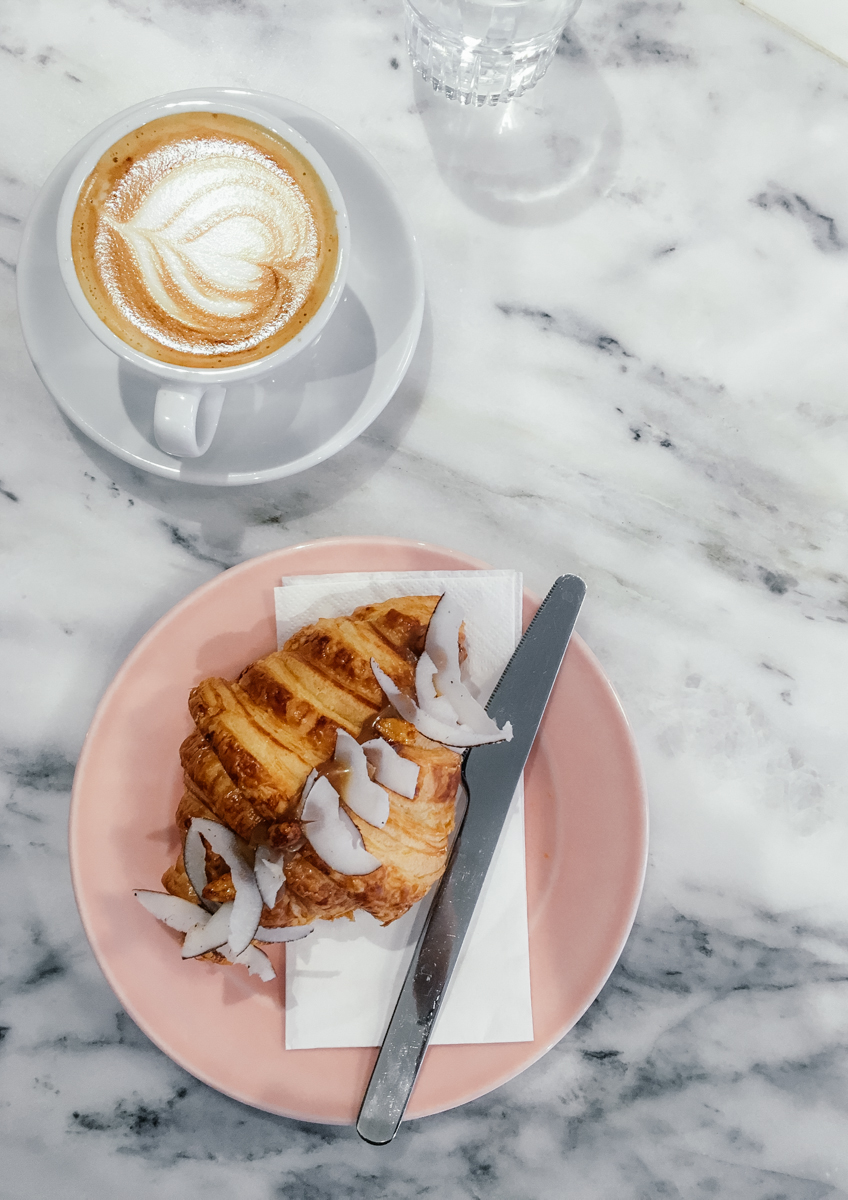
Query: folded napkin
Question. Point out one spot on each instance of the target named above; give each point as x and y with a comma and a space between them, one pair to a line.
343, 980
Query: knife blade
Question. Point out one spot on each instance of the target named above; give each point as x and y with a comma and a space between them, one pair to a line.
491, 774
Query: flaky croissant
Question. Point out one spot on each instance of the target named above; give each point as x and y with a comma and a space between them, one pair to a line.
257, 740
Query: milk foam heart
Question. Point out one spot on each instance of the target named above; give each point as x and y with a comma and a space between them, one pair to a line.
211, 242
217, 231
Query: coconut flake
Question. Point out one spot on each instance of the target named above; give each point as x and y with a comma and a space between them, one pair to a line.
441, 647
256, 962
446, 699
456, 735
211, 934
268, 869
391, 769
194, 859
247, 906
289, 933
359, 792
445, 710
404, 704
307, 787
332, 834
430, 701
177, 913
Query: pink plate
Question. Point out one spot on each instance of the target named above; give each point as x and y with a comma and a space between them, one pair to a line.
586, 851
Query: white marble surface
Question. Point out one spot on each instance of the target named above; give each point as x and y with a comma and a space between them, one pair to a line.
823, 23
633, 367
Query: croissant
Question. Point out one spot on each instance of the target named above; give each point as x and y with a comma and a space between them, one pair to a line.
257, 739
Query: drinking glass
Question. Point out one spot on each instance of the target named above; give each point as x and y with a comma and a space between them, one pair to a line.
484, 51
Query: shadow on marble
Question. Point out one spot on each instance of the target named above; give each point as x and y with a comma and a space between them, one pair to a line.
224, 513
538, 160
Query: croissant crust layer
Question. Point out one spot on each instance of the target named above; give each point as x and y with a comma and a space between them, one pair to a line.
256, 739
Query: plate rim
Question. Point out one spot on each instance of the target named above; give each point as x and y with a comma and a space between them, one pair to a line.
364, 543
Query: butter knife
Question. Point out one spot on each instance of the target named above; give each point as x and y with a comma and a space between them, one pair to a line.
491, 774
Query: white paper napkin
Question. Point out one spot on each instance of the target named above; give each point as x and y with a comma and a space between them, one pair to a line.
343, 980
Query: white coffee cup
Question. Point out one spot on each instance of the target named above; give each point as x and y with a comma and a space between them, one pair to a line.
189, 400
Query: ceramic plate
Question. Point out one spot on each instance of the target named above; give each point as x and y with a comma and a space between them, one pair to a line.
586, 848
315, 405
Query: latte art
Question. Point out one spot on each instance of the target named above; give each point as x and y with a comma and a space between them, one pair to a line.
220, 235
208, 246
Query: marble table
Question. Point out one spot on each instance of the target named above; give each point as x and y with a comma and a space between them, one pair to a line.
633, 367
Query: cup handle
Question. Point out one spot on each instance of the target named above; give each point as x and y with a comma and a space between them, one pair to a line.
185, 419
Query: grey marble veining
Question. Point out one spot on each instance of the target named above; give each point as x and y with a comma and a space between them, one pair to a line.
632, 366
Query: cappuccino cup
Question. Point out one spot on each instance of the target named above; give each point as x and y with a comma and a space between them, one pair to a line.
207, 244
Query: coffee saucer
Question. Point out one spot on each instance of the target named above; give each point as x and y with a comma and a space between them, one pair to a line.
313, 406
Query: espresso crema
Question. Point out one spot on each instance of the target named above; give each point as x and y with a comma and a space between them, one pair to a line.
204, 239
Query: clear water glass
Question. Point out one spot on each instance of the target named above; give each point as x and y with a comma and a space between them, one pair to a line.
485, 51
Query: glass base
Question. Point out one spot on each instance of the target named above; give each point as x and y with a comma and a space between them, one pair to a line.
476, 72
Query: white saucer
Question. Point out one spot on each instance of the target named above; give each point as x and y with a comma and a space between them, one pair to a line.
315, 405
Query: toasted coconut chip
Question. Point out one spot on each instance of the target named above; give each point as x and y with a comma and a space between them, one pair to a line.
440, 707
391, 769
247, 906
256, 962
211, 934
173, 910
194, 857
268, 869
429, 700
291, 933
307, 787
455, 735
356, 787
332, 834
404, 704
445, 710
441, 648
